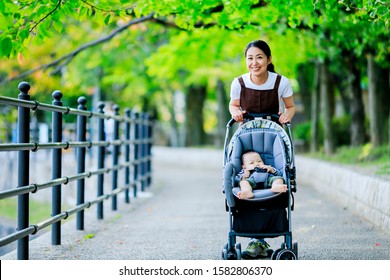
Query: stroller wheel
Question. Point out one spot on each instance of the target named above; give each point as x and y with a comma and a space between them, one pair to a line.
286, 254
295, 248
269, 253
238, 251
225, 252
275, 253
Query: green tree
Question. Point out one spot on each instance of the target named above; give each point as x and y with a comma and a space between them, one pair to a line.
338, 27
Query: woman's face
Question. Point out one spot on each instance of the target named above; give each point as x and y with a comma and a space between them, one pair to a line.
257, 61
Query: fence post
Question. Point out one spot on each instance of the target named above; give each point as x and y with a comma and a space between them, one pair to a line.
115, 153
101, 155
127, 154
136, 151
143, 150
56, 168
23, 170
149, 152
81, 137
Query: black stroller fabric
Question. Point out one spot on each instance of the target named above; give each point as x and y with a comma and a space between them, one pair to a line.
258, 220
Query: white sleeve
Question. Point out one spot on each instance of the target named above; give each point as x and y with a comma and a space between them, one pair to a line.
235, 89
285, 89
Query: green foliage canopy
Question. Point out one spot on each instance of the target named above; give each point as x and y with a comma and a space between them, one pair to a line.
180, 41
23, 22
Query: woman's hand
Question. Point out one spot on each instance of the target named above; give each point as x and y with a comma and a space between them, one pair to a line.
235, 110
284, 118
238, 115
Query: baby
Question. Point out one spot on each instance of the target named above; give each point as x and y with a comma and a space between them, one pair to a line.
250, 161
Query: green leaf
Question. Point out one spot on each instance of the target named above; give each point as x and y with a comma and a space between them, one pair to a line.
6, 46
23, 34
107, 19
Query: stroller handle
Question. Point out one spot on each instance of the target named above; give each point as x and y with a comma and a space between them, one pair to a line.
252, 116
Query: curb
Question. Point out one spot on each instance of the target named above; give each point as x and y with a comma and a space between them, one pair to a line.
367, 196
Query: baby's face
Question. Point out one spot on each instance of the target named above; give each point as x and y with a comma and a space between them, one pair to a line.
252, 160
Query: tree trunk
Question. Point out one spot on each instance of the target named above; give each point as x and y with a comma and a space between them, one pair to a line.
326, 100
194, 130
379, 98
358, 131
388, 135
375, 131
386, 101
174, 135
315, 110
305, 80
222, 113
342, 83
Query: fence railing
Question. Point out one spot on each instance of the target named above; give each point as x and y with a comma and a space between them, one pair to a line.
129, 148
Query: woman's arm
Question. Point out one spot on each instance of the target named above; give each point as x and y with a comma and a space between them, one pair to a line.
235, 110
289, 110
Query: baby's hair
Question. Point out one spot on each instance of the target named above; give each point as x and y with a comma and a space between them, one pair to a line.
246, 153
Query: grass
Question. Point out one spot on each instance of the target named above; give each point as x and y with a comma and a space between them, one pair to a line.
89, 236
376, 160
39, 211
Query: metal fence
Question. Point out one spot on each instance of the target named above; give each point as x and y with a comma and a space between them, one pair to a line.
129, 148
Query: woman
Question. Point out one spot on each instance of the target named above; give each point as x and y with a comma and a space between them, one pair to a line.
261, 90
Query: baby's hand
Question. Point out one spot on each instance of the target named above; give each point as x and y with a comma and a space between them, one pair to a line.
246, 174
269, 168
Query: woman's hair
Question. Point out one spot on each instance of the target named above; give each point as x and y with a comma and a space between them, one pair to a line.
260, 44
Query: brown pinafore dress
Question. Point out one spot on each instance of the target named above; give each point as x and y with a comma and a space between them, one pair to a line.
260, 101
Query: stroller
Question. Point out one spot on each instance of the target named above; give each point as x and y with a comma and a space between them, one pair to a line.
264, 215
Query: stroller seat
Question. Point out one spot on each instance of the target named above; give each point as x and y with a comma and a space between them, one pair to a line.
271, 147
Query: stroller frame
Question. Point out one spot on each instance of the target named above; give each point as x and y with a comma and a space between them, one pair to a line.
288, 249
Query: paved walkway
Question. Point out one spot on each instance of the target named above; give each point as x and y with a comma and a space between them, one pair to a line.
182, 216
